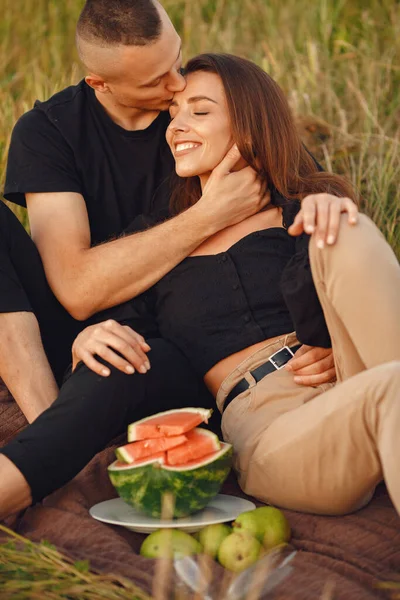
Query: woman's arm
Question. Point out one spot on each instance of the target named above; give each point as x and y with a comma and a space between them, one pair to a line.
319, 215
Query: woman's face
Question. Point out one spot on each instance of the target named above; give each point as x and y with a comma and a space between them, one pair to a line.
199, 134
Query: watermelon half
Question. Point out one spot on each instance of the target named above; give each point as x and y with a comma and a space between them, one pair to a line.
144, 484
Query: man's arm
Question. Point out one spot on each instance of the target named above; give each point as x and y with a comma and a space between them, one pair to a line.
89, 279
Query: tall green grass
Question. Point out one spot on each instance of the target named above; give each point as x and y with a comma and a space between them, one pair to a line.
337, 60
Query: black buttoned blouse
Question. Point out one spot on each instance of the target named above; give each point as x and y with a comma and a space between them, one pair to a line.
212, 306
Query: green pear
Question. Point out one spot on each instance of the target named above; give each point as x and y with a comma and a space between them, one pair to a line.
262, 520
238, 551
277, 530
212, 536
169, 543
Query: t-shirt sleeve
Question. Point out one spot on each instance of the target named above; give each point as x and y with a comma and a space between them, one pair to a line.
39, 159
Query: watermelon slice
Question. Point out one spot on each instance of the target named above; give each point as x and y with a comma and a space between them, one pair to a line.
200, 442
143, 485
159, 458
170, 422
138, 450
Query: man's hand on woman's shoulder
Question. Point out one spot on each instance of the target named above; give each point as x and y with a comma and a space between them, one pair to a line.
320, 215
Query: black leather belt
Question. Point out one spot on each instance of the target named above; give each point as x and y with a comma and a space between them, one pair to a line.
275, 362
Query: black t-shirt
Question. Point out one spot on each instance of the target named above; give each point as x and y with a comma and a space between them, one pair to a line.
70, 144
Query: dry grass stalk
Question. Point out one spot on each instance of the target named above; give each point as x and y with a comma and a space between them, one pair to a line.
29, 571
262, 571
392, 587
164, 566
329, 589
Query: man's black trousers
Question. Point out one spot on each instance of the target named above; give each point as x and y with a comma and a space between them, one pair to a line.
90, 410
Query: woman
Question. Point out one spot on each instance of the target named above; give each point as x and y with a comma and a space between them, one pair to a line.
240, 305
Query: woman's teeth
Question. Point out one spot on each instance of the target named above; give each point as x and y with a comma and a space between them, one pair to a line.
186, 146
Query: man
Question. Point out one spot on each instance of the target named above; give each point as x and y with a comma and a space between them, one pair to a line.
88, 162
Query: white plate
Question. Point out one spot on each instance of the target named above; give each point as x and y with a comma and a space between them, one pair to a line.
221, 509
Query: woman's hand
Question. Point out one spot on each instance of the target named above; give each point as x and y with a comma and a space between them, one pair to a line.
312, 366
103, 339
320, 214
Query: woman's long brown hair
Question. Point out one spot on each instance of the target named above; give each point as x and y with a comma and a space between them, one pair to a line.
264, 131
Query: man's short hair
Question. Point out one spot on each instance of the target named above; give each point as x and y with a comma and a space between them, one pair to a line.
119, 22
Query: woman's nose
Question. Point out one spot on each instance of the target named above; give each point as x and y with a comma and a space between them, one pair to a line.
179, 123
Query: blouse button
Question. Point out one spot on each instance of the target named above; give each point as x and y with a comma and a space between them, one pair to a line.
235, 286
224, 258
247, 318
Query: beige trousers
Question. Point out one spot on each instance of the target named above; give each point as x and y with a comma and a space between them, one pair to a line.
324, 449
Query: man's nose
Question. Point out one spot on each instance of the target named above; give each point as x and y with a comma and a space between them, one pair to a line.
176, 82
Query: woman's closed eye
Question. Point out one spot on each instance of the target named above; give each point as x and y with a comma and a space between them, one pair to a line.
199, 114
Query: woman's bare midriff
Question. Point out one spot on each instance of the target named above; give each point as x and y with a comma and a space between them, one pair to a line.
215, 376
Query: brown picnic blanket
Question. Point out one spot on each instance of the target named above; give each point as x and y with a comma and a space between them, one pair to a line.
350, 553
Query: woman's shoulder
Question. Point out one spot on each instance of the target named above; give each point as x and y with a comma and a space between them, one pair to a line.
290, 207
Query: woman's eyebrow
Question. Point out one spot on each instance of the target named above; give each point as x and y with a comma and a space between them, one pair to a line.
194, 99
198, 98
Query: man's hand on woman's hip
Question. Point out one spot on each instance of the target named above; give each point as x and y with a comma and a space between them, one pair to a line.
118, 344
320, 216
312, 366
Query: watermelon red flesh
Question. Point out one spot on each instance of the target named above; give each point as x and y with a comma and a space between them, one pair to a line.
138, 450
200, 443
171, 422
193, 485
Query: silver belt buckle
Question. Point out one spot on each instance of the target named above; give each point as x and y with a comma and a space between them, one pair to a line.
271, 358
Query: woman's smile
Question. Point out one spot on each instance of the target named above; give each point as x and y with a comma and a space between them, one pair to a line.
182, 148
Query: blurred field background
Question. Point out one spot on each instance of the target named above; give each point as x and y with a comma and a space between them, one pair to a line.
338, 62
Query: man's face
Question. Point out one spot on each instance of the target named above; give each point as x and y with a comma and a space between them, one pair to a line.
147, 77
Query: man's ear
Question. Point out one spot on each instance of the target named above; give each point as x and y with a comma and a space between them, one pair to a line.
97, 83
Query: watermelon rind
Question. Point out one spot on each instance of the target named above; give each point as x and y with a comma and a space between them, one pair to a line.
123, 455
159, 458
192, 487
204, 412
